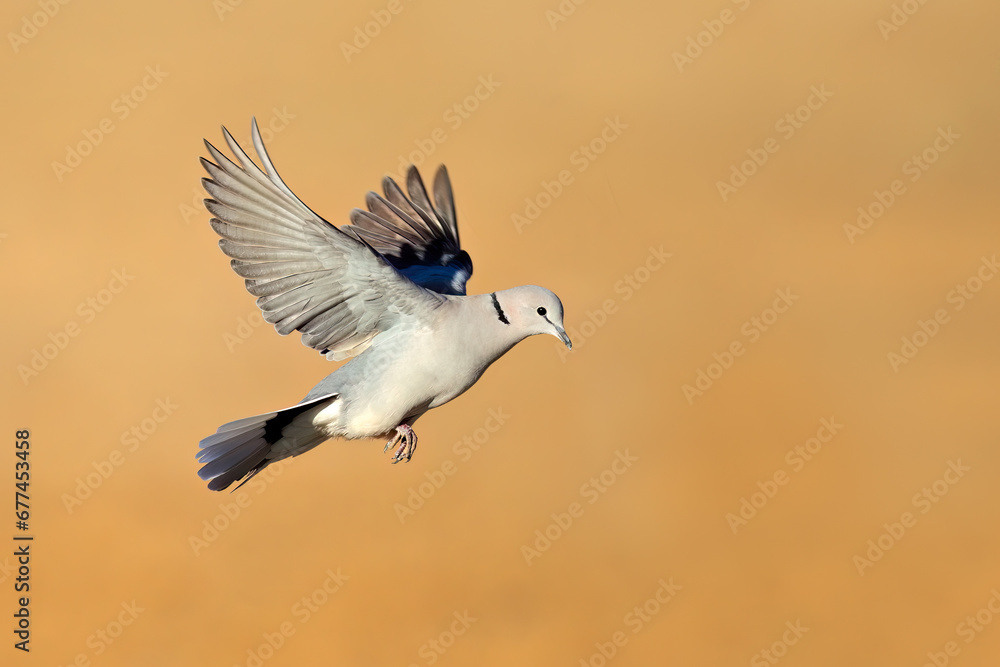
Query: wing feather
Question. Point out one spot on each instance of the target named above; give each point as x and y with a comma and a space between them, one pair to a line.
308, 276
417, 237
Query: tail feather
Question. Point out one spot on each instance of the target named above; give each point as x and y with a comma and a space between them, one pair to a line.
222, 447
221, 437
223, 457
242, 448
254, 461
246, 421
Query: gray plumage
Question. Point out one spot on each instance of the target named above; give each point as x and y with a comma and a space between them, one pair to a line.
388, 289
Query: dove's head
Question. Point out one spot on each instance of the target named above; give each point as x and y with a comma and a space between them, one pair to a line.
536, 310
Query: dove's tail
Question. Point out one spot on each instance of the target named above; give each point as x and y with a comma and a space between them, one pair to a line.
246, 446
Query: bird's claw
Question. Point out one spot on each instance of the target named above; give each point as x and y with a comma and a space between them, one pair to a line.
407, 440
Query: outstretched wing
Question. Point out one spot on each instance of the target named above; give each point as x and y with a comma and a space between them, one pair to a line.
307, 275
417, 237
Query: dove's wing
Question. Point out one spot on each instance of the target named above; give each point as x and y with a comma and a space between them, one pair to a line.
417, 237
307, 275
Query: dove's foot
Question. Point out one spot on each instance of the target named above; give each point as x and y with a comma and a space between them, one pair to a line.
407, 440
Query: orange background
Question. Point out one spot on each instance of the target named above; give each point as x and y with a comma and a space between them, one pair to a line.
168, 335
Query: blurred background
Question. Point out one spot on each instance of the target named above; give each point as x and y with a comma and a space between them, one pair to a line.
774, 229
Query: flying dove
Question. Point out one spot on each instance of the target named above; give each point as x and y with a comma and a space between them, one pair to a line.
387, 290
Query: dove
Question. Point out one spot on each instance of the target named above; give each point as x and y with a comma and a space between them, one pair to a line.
387, 292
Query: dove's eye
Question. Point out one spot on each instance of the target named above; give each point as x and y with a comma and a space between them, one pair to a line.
541, 311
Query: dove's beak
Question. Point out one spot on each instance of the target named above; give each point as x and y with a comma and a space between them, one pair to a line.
561, 334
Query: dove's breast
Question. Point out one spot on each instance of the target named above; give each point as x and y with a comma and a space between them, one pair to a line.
407, 372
